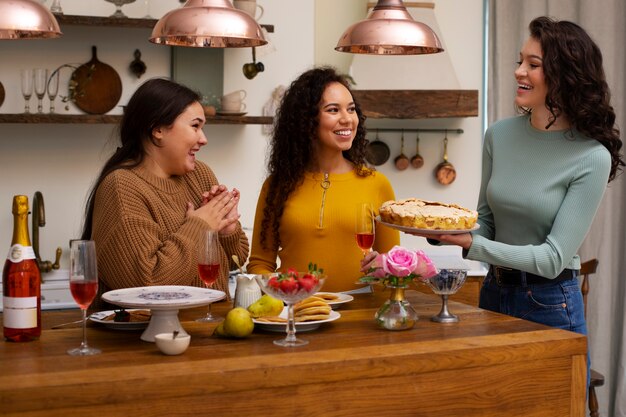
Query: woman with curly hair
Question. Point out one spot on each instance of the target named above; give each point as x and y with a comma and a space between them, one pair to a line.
544, 174
316, 177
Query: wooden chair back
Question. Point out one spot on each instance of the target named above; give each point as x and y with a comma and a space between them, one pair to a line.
596, 379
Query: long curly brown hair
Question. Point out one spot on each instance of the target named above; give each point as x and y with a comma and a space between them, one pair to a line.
577, 87
295, 129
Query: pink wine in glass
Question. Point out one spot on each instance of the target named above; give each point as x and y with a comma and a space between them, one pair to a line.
84, 293
365, 240
208, 273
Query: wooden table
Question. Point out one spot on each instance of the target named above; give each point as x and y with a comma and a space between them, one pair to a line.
486, 365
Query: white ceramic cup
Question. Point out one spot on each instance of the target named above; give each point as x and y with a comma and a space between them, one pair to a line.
236, 95
233, 102
251, 7
232, 106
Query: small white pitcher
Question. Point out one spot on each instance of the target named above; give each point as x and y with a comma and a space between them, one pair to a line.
247, 290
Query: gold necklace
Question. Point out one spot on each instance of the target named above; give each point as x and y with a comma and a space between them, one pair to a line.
325, 184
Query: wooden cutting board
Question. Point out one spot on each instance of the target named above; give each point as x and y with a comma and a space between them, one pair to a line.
95, 87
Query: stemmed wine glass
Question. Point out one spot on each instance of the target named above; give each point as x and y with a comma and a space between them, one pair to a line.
365, 229
83, 286
53, 88
41, 78
27, 87
209, 266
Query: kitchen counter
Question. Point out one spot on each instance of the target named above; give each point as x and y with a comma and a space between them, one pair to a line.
486, 365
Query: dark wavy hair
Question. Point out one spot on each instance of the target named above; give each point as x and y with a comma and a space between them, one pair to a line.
577, 87
156, 103
295, 130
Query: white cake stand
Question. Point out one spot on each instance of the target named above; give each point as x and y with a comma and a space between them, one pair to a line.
164, 302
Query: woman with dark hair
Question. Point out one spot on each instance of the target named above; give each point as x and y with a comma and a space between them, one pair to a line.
316, 177
153, 199
543, 176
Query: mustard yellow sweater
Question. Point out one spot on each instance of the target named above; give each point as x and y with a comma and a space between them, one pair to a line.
331, 244
143, 236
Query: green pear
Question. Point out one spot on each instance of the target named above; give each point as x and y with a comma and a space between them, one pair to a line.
238, 323
219, 330
266, 306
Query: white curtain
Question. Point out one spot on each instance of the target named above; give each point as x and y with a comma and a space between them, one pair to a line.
605, 21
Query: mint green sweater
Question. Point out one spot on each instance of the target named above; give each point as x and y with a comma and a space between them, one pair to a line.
539, 193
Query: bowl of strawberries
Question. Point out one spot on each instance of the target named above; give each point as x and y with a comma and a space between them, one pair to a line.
292, 286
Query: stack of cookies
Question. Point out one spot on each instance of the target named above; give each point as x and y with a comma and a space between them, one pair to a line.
313, 308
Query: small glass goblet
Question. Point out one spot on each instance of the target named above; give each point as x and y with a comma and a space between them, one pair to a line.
56, 7
446, 283
290, 298
53, 88
27, 87
118, 7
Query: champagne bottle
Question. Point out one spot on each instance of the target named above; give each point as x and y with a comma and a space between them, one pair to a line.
21, 281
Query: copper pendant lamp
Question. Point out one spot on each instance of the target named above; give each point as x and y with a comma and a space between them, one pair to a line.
27, 19
208, 24
389, 30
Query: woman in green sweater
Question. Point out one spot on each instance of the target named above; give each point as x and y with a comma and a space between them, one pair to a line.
543, 176
317, 175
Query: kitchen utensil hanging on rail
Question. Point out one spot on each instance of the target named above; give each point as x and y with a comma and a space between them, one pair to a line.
445, 172
401, 162
95, 87
417, 161
377, 152
251, 69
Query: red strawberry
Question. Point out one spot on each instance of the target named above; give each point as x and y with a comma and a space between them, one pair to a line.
292, 272
273, 282
288, 285
308, 282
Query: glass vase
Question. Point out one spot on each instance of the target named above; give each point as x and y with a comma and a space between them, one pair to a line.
396, 313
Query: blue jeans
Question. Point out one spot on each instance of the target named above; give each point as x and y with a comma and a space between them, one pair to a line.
559, 304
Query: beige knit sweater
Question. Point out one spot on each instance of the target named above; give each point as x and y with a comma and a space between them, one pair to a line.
143, 236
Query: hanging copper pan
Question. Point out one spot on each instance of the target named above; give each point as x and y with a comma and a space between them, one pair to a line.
95, 87
445, 171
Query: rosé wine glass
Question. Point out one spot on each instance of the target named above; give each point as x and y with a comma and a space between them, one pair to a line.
209, 266
365, 229
290, 298
83, 286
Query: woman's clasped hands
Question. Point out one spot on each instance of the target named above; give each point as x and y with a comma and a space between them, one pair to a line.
219, 208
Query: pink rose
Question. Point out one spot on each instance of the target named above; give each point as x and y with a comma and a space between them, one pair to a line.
425, 267
377, 266
400, 262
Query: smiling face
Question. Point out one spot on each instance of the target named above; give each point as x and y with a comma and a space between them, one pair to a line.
338, 119
179, 143
531, 85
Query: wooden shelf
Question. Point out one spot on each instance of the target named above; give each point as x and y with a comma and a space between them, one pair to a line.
417, 104
114, 119
116, 22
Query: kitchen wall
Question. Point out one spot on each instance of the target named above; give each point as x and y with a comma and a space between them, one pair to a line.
61, 160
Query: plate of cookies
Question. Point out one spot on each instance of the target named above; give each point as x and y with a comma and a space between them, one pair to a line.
335, 299
309, 313
123, 319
